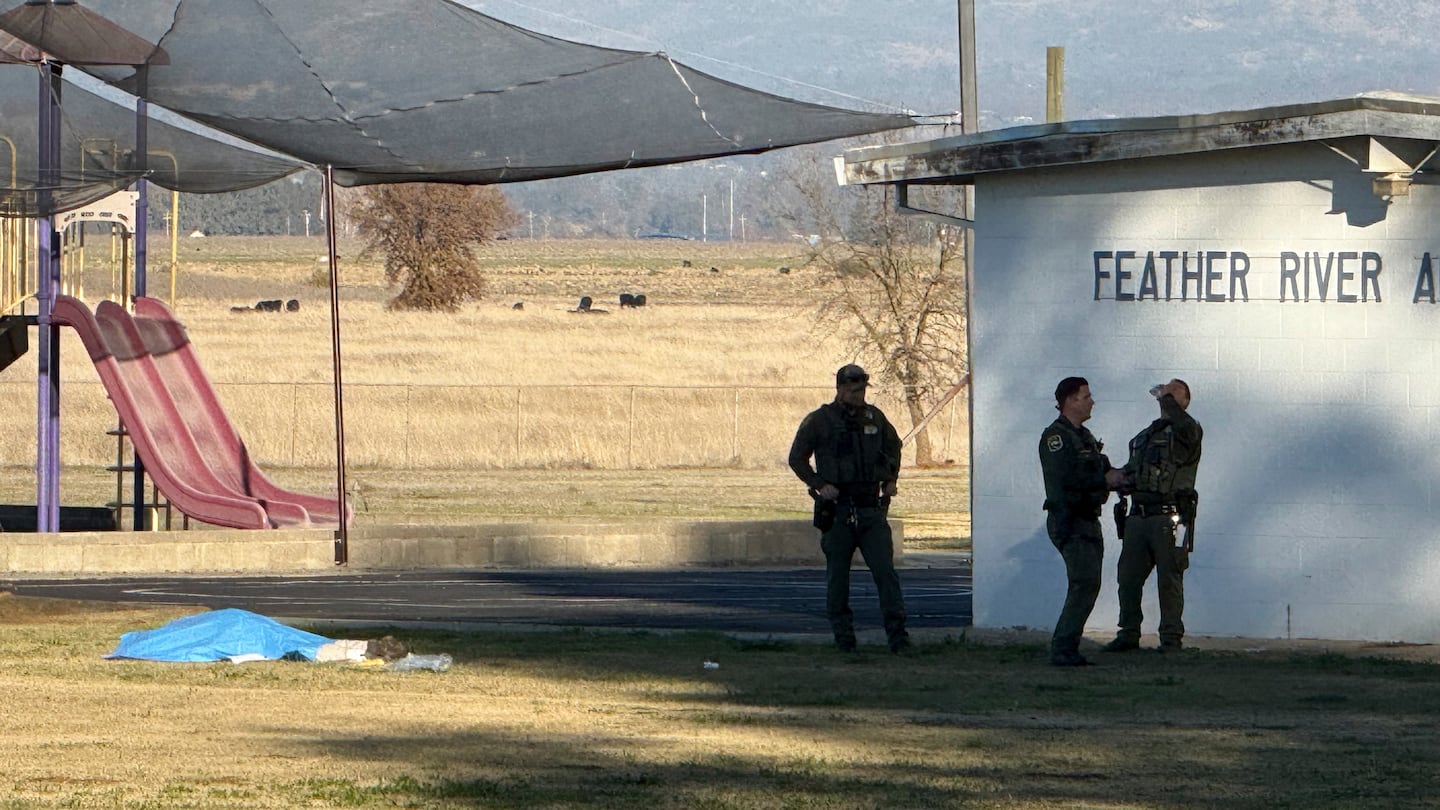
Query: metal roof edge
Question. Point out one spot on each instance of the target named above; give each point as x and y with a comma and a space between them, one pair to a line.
1098, 140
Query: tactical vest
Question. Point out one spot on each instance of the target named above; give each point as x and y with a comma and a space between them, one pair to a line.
1153, 456
850, 449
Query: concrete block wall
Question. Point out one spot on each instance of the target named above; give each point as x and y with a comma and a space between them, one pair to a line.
645, 544
1319, 481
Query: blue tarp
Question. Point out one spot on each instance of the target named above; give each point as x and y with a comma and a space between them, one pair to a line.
217, 636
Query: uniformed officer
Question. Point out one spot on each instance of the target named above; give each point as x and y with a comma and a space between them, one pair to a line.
1164, 458
1078, 480
857, 463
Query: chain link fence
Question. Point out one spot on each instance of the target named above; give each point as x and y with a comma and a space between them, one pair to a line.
491, 426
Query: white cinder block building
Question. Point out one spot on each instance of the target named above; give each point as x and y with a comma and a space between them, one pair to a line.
1285, 262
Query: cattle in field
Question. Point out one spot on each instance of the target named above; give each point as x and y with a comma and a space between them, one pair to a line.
271, 305
518, 305
586, 307
628, 300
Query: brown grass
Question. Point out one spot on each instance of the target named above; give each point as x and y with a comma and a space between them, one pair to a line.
576, 719
712, 375
632, 720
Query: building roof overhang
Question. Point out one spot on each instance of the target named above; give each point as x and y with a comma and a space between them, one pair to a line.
1382, 132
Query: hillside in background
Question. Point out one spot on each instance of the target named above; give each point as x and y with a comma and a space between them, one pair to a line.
1146, 57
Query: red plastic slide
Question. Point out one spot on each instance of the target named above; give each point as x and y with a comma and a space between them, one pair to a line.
177, 460
174, 357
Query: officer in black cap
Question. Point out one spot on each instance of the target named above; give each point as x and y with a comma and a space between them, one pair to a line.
857, 463
1078, 480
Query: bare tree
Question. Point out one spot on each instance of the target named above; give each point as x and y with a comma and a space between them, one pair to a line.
428, 232
893, 285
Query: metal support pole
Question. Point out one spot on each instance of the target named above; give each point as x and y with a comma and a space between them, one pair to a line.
47, 451
969, 123
174, 241
142, 214
342, 534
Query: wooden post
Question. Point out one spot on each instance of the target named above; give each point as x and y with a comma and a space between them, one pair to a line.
1054, 84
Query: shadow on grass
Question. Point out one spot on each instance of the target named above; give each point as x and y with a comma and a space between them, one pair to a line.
784, 724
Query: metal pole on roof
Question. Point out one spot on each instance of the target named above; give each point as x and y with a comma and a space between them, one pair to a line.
969, 104
342, 534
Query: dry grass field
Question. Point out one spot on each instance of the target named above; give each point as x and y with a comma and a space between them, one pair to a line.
633, 720
496, 410
630, 720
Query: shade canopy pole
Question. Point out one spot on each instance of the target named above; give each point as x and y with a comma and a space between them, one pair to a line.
142, 217
47, 441
342, 534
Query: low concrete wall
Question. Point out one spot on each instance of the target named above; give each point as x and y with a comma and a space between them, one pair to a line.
640, 544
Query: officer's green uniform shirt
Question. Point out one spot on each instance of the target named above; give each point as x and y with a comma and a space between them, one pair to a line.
1074, 470
856, 447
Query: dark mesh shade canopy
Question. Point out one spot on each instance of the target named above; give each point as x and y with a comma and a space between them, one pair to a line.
395, 91
97, 151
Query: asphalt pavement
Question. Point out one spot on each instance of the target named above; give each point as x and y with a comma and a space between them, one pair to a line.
741, 601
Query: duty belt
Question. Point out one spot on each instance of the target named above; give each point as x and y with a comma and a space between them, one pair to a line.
1154, 509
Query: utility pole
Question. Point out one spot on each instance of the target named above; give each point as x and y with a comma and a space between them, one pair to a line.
969, 104
732, 210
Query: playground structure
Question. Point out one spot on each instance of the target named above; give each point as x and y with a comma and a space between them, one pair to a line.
167, 408
290, 103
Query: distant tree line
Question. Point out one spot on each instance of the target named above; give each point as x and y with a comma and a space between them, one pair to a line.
744, 198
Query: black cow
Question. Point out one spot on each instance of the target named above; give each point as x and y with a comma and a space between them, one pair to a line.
628, 300
293, 305
269, 306
585, 308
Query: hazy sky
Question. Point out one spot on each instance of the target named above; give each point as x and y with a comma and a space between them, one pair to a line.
1139, 57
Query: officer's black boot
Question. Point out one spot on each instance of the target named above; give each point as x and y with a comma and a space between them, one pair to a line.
895, 631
